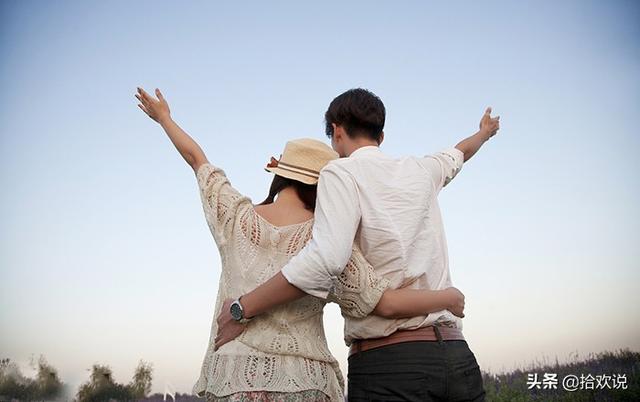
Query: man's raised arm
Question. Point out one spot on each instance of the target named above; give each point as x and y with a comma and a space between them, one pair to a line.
311, 271
488, 128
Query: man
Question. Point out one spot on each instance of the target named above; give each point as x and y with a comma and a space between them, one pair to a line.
389, 207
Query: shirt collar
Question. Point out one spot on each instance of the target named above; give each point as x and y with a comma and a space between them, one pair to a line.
366, 150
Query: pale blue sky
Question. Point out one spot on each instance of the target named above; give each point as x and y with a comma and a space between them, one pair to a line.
105, 254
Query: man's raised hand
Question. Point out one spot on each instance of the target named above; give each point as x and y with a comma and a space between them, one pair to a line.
489, 125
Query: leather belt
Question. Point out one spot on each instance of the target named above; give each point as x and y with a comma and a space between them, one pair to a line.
430, 333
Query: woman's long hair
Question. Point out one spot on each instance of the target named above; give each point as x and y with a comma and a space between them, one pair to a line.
306, 192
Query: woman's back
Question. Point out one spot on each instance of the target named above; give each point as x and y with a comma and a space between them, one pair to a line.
284, 350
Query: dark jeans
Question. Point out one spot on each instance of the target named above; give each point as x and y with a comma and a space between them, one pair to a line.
416, 371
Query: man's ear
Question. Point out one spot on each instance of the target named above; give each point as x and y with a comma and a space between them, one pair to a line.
337, 131
381, 138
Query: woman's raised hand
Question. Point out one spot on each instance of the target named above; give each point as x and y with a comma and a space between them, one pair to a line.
158, 109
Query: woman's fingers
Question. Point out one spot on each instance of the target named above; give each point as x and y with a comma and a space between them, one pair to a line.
147, 112
141, 99
219, 342
147, 105
152, 107
145, 95
141, 92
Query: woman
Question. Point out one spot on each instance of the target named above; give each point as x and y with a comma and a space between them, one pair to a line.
282, 355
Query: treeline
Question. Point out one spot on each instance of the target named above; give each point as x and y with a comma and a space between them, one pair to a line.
538, 382
47, 386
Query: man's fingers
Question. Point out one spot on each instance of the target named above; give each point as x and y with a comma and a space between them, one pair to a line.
159, 94
488, 111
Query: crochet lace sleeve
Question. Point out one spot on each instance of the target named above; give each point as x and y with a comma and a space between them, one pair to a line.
358, 289
220, 200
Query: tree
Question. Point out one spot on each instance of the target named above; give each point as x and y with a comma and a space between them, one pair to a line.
102, 387
141, 383
14, 385
48, 384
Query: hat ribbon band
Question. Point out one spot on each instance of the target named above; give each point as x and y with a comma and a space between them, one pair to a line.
298, 169
298, 172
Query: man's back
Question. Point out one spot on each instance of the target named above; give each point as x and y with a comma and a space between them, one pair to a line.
400, 232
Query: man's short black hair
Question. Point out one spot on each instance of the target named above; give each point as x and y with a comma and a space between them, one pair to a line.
359, 111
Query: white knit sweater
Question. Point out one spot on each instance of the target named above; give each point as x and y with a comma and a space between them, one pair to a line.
285, 349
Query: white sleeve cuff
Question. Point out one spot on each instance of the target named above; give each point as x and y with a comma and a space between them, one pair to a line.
305, 284
458, 156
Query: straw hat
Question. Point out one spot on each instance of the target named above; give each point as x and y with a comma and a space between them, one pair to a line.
302, 160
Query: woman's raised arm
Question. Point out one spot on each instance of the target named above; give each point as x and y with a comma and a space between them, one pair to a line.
158, 110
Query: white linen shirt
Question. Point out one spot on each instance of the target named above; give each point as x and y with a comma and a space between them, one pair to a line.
389, 207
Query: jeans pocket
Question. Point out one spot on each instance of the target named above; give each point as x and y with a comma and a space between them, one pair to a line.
465, 378
475, 386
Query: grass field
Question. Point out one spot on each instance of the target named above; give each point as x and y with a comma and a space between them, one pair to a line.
605, 376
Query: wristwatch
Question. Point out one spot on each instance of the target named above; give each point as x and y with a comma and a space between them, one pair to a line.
237, 313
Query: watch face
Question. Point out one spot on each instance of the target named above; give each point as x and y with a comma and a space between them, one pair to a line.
236, 311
